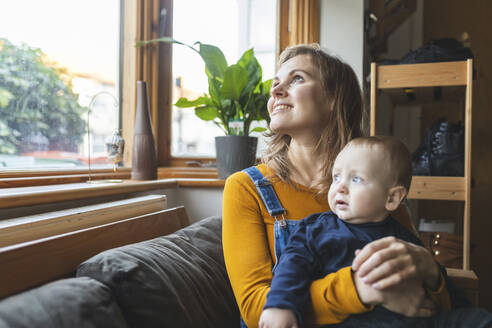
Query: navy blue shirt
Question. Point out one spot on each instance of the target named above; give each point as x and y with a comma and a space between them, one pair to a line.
321, 244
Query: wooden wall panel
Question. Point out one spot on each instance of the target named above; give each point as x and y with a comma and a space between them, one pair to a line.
452, 18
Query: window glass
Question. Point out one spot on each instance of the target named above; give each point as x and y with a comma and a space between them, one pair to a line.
57, 57
232, 25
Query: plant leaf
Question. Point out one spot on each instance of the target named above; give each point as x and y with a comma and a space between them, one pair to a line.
215, 62
235, 79
184, 103
258, 129
250, 63
266, 86
206, 113
164, 39
214, 91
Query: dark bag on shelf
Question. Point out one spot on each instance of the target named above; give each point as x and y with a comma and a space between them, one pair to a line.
446, 248
446, 49
442, 151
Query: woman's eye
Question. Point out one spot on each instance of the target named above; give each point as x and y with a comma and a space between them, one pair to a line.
297, 78
356, 179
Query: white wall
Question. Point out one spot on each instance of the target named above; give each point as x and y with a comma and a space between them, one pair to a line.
198, 202
342, 31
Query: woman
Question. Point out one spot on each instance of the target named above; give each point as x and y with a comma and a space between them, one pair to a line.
315, 109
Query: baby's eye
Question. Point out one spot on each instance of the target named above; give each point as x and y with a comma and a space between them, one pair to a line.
336, 177
356, 179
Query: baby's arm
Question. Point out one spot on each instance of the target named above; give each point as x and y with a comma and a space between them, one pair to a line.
278, 318
293, 274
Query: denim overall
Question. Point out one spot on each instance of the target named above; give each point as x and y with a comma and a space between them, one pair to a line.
282, 227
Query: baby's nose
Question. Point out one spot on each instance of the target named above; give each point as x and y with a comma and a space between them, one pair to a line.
342, 187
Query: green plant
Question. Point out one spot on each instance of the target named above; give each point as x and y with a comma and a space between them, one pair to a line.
236, 92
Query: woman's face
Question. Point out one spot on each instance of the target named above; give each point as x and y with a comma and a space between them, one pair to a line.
298, 103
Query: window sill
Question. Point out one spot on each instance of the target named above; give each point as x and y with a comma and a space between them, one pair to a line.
31, 178
26, 196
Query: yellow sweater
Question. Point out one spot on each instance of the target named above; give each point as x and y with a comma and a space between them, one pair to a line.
248, 242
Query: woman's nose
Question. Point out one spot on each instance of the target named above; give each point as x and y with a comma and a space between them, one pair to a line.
278, 91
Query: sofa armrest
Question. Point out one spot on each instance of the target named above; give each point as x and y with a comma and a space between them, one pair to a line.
178, 280
74, 302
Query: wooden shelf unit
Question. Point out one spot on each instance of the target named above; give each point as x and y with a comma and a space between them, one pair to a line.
452, 75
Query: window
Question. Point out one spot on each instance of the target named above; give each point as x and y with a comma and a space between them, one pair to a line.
234, 26
55, 57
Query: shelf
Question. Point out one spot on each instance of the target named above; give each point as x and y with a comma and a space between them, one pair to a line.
428, 81
467, 281
437, 188
421, 75
424, 96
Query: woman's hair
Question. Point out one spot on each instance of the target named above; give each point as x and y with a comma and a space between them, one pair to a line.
395, 154
344, 113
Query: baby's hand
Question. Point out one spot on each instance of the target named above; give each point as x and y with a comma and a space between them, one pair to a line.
278, 318
367, 294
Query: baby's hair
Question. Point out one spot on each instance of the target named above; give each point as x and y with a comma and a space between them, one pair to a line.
397, 156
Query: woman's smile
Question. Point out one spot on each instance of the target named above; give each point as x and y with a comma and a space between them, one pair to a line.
280, 108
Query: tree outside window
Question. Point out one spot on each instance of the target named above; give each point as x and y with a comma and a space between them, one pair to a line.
38, 109
55, 56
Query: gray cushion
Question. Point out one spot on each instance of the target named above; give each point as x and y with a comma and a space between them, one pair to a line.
177, 280
75, 302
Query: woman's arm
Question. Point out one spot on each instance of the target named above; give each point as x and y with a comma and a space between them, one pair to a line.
245, 245
249, 263
390, 262
334, 298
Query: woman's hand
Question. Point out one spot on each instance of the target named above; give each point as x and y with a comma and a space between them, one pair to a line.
408, 299
389, 262
277, 318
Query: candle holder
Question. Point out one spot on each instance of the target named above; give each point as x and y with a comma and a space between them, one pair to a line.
115, 144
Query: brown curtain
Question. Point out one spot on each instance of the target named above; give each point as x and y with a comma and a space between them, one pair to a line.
298, 22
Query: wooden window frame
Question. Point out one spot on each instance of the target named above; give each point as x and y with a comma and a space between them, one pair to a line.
33, 177
297, 22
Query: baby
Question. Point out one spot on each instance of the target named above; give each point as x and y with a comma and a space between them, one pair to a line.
371, 177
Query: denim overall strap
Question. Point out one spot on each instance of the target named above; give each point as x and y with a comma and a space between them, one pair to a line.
283, 227
265, 189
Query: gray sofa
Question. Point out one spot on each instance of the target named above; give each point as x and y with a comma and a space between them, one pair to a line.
178, 280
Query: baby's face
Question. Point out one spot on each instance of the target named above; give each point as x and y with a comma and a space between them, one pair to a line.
360, 187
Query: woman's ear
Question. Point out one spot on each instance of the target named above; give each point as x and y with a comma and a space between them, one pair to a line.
395, 197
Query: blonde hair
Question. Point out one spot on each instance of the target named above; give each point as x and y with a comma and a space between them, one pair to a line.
396, 154
344, 113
